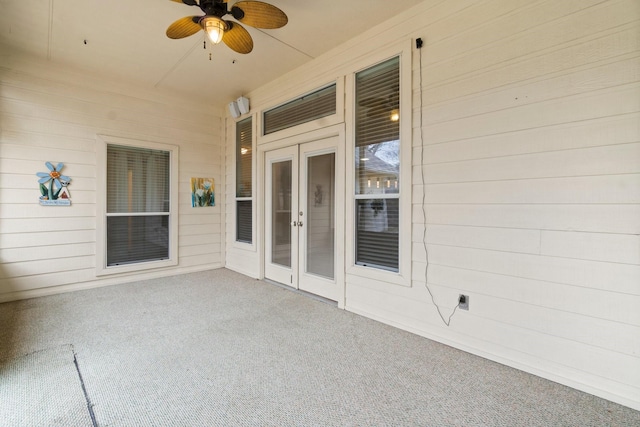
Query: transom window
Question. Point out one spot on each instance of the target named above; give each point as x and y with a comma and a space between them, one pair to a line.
306, 108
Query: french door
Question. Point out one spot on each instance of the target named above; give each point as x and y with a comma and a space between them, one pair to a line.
304, 217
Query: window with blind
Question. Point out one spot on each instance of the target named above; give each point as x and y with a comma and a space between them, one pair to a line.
312, 106
377, 166
138, 205
244, 181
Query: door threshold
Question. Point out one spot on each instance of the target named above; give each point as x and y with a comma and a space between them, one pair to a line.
301, 292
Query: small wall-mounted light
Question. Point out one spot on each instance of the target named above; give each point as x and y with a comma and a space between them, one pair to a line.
395, 115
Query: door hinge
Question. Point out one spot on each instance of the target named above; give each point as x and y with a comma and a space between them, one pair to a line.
291, 279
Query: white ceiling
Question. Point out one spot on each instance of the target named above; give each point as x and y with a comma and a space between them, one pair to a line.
124, 40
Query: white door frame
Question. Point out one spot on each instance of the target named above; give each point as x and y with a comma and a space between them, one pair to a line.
328, 132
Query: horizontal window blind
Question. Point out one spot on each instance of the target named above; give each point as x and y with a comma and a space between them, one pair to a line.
137, 180
133, 239
244, 157
309, 107
377, 156
378, 104
377, 233
244, 180
244, 217
138, 204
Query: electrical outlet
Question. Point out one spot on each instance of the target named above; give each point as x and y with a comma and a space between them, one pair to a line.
463, 302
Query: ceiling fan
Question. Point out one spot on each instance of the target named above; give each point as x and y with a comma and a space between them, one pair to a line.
254, 13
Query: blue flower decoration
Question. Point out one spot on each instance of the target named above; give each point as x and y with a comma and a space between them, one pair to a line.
54, 174
52, 177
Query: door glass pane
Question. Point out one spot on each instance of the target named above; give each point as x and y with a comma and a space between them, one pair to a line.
281, 213
320, 222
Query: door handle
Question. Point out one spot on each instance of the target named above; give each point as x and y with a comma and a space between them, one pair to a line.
294, 223
300, 223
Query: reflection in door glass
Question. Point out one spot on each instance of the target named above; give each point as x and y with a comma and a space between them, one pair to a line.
320, 226
281, 213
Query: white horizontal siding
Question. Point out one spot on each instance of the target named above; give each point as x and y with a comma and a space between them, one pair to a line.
585, 302
615, 277
623, 248
599, 218
55, 116
605, 189
620, 129
620, 100
603, 160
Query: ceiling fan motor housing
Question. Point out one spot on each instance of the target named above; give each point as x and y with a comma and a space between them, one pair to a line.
214, 8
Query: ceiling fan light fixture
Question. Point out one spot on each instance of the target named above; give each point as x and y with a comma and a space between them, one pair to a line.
214, 27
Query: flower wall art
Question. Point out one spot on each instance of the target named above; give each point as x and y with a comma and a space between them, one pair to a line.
202, 192
53, 186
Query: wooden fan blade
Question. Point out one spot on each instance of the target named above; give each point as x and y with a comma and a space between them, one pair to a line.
260, 15
183, 27
238, 38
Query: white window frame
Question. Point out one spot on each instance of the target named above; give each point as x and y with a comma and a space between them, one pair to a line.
403, 275
244, 245
102, 141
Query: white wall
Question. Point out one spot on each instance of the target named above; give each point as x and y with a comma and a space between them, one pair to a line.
52, 114
529, 117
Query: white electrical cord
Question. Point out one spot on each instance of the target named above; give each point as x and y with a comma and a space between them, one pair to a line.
424, 196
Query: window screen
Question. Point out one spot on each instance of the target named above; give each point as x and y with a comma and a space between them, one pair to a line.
377, 157
313, 106
138, 193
